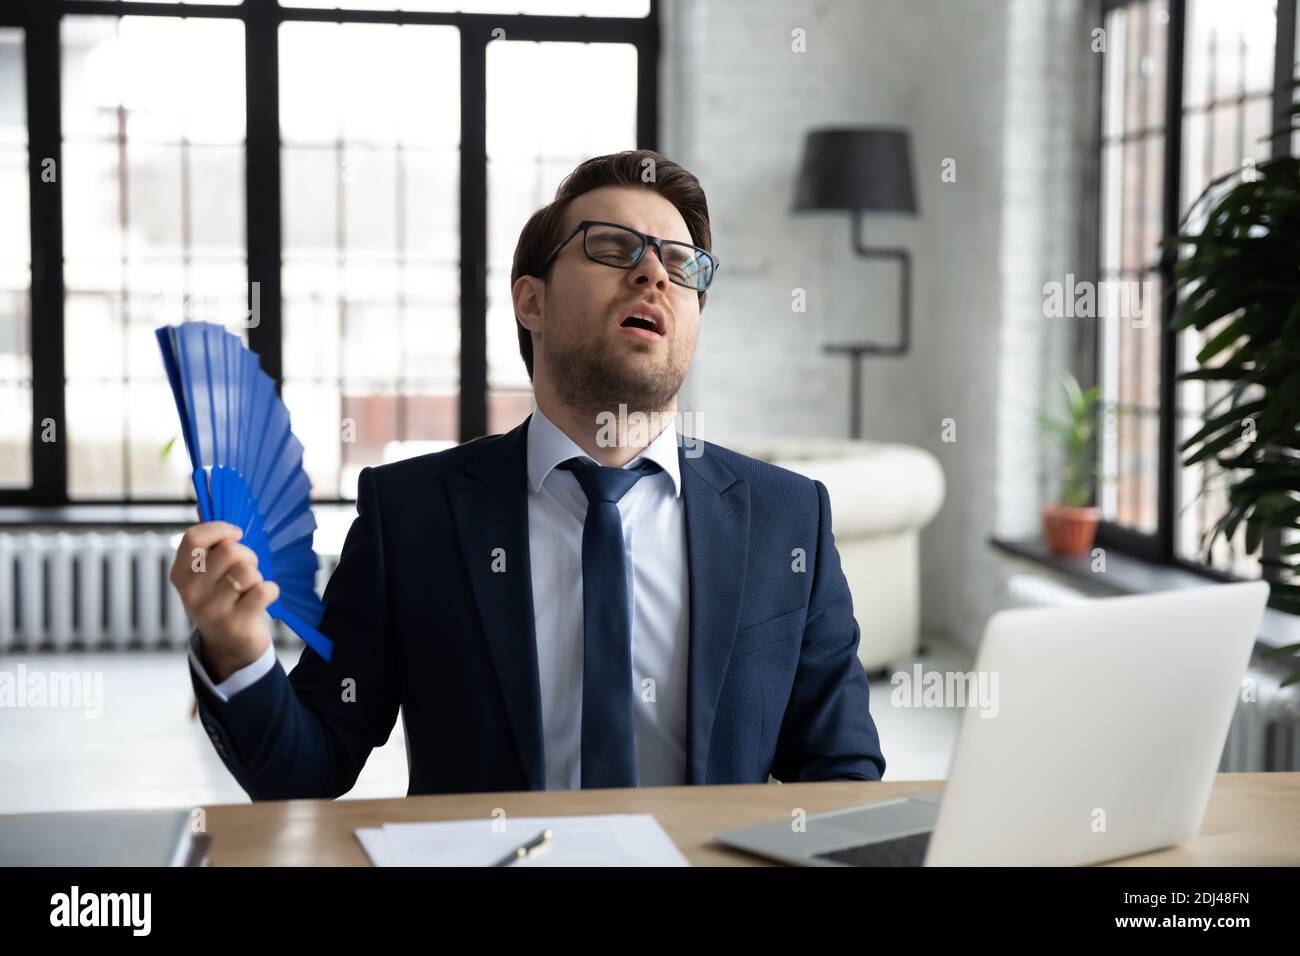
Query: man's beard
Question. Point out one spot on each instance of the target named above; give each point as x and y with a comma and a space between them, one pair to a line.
593, 379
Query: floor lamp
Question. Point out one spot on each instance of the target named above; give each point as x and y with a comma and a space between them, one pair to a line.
857, 170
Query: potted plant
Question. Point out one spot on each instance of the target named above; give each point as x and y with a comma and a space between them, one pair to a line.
1239, 285
1070, 524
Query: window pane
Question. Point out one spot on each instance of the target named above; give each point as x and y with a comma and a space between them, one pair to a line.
1136, 68
1153, 200
529, 152
1154, 66
370, 188
1112, 205
15, 421
1113, 74
1130, 380
153, 179
371, 201
1202, 493
1140, 203
553, 8
97, 455
15, 269
92, 213
154, 201
1227, 117
1257, 124
1229, 49
310, 187
211, 176
1132, 218
228, 3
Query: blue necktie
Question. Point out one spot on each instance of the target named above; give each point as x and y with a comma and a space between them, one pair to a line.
608, 741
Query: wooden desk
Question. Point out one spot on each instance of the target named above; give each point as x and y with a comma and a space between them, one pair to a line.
1253, 819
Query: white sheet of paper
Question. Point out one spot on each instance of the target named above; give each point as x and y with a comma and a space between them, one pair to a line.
613, 839
372, 840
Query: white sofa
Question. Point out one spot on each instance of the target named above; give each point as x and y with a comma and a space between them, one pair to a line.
881, 496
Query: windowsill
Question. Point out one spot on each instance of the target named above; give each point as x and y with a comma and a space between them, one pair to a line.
1126, 574
1129, 575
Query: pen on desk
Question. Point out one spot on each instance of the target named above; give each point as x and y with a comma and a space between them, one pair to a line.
528, 849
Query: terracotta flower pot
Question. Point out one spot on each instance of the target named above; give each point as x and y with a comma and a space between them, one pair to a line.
1069, 531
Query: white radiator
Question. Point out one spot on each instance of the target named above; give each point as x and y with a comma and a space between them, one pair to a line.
89, 590
1265, 731
1031, 590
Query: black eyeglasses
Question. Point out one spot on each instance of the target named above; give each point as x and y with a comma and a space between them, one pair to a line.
622, 248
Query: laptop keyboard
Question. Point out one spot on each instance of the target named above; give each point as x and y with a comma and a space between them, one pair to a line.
902, 851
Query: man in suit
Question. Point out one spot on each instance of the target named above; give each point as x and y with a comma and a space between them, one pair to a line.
590, 600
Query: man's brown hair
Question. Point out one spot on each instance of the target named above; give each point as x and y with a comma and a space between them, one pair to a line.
643, 168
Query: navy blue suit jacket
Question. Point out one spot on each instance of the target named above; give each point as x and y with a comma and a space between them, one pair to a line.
419, 619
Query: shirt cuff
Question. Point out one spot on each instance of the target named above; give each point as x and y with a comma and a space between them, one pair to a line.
240, 679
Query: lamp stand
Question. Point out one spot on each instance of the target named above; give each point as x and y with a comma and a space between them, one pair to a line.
856, 350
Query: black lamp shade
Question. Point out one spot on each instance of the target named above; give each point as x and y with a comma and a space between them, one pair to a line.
862, 168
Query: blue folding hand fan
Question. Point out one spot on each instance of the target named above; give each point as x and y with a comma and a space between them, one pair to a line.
247, 464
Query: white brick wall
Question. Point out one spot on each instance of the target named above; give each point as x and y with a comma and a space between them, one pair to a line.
979, 81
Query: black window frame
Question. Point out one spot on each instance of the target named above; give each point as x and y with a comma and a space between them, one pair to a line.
40, 19
1160, 546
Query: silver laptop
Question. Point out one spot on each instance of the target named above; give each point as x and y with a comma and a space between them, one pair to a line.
1100, 739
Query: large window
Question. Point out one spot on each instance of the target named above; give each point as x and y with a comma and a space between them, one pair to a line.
317, 180
153, 230
1190, 91
370, 181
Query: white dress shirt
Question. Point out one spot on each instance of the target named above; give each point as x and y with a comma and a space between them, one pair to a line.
654, 539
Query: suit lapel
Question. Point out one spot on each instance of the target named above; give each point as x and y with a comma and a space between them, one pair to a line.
489, 502
717, 545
